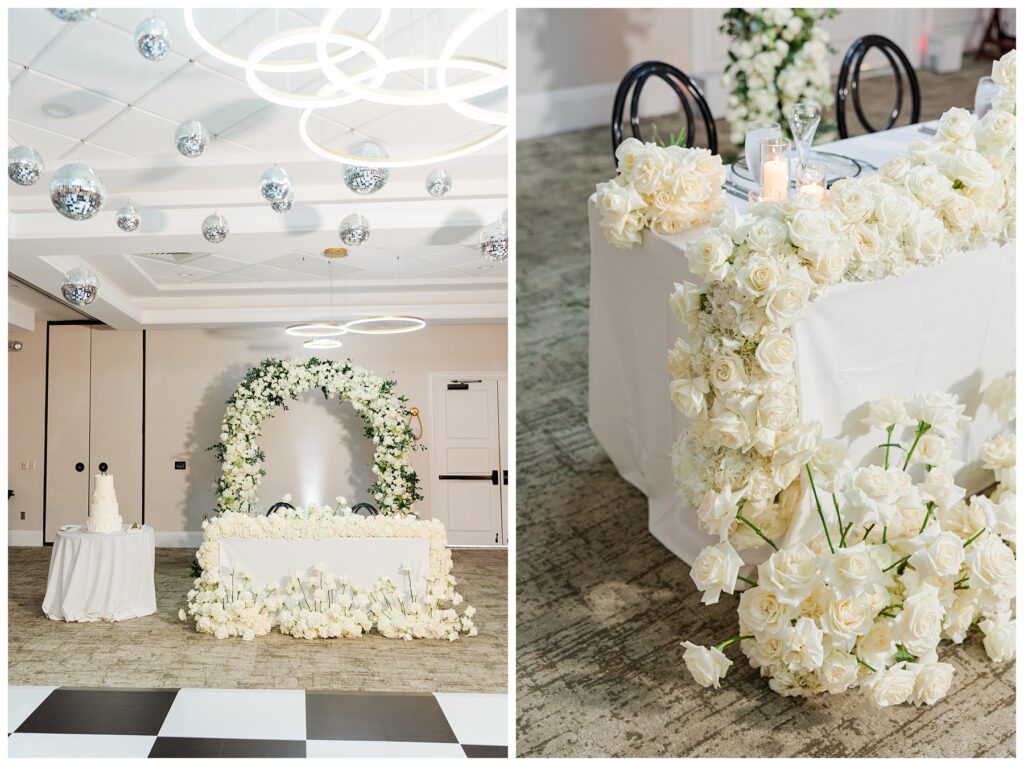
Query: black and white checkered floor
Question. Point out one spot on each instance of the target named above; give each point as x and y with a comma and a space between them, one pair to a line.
211, 723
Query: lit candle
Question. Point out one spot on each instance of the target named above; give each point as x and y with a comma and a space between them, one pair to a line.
814, 189
775, 175
810, 179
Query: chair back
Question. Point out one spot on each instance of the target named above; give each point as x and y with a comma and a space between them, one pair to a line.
849, 83
682, 85
370, 510
278, 506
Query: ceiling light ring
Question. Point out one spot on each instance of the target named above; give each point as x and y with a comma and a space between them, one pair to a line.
316, 329
411, 324
458, 36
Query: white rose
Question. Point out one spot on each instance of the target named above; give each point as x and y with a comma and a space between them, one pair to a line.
939, 409
1001, 397
732, 422
955, 125
802, 648
932, 682
786, 303
828, 464
991, 562
838, 671
877, 647
649, 169
808, 228
757, 276
726, 372
959, 212
718, 510
765, 234
939, 487
941, 557
707, 666
852, 200
999, 452
853, 571
680, 360
1004, 71
627, 153
919, 624
797, 445
846, 618
688, 394
618, 198
790, 573
959, 615
685, 301
890, 687
871, 495
1000, 637
896, 169
776, 353
715, 570
932, 450
928, 185
763, 613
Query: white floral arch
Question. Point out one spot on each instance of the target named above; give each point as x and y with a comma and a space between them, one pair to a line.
271, 384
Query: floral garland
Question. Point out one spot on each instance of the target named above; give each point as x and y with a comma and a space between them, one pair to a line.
322, 605
901, 562
735, 377
779, 57
271, 384
669, 189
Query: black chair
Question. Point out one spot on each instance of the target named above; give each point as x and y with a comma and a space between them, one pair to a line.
849, 83
278, 506
370, 510
683, 86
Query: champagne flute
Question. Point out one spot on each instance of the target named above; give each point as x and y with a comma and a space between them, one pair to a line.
983, 96
803, 122
757, 132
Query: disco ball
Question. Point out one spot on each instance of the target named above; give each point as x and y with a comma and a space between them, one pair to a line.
275, 184
80, 287
283, 205
494, 241
354, 230
191, 138
439, 183
364, 180
77, 192
128, 218
24, 165
73, 14
215, 228
152, 39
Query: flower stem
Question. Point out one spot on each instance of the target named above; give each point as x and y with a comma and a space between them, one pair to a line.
746, 580
732, 640
753, 526
974, 537
888, 438
867, 532
839, 518
821, 514
885, 534
927, 516
897, 562
866, 665
922, 429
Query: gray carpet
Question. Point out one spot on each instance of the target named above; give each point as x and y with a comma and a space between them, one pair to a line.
602, 605
158, 651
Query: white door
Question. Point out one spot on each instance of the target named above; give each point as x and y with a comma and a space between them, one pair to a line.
466, 461
67, 427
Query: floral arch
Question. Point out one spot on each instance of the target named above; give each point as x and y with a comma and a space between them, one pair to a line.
271, 384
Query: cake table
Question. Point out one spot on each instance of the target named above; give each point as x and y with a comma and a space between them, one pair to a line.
101, 576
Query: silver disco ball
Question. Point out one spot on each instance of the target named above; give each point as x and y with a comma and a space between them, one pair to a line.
191, 138
152, 39
494, 241
80, 287
354, 230
283, 205
275, 184
73, 14
24, 165
128, 218
363, 180
215, 228
439, 183
77, 192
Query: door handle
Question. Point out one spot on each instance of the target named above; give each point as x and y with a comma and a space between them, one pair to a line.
79, 467
467, 477
103, 467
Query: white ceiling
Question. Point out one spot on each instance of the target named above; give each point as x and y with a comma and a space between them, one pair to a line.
125, 109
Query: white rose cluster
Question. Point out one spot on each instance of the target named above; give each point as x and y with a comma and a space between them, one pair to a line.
669, 189
317, 604
999, 455
274, 382
865, 604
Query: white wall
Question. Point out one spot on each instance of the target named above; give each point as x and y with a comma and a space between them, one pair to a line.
570, 61
26, 403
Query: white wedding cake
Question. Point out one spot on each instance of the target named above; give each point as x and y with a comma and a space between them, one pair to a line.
103, 515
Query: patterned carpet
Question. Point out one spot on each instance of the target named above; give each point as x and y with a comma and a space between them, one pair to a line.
602, 606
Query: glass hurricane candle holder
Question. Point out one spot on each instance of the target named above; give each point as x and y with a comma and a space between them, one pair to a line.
755, 197
810, 179
756, 133
775, 168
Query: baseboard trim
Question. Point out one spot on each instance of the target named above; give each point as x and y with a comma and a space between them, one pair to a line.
25, 538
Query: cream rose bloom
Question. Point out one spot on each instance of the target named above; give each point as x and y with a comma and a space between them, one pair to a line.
757, 276
776, 353
887, 411
959, 615
890, 687
1000, 637
715, 570
708, 256
685, 302
838, 671
785, 305
992, 563
828, 464
871, 495
802, 648
1001, 397
955, 125
846, 618
718, 510
877, 647
999, 452
1004, 71
941, 556
726, 372
919, 624
932, 450
763, 613
853, 571
628, 153
688, 394
790, 573
932, 682
707, 666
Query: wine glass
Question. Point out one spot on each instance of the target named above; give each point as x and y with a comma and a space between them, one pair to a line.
983, 96
757, 132
803, 122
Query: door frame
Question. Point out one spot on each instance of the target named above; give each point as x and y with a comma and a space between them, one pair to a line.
504, 445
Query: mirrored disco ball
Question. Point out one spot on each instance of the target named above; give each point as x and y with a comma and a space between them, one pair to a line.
128, 218
191, 138
494, 241
283, 205
354, 230
364, 180
77, 192
152, 39
24, 165
215, 228
275, 184
73, 14
80, 287
439, 183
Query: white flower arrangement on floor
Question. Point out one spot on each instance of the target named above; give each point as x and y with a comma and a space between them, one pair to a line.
735, 377
901, 562
778, 57
666, 188
321, 604
270, 385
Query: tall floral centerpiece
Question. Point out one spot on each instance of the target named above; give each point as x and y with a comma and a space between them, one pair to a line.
778, 57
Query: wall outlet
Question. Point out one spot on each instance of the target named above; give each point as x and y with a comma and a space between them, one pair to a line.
179, 465
24, 465
31, 465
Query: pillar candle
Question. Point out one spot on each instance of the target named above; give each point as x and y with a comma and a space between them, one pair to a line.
775, 175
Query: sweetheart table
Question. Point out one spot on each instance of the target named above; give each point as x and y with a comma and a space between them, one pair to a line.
947, 327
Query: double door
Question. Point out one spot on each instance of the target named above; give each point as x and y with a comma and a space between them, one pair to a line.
94, 419
469, 459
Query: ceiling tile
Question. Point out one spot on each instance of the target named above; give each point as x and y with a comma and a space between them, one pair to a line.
34, 90
30, 31
197, 92
128, 19
139, 134
50, 145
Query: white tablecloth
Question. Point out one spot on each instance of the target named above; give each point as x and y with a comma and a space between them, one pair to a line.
947, 327
364, 560
101, 577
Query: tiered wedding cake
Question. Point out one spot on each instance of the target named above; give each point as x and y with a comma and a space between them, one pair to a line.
103, 515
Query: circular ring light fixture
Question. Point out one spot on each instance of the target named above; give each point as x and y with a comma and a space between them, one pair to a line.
390, 324
316, 329
321, 343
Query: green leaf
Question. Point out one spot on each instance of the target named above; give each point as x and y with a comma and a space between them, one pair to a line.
902, 655
958, 184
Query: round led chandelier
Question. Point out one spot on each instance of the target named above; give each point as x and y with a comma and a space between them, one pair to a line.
321, 334
365, 85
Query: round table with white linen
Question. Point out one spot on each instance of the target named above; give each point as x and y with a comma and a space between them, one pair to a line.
101, 576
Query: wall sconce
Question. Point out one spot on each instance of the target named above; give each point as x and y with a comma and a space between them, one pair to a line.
417, 432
